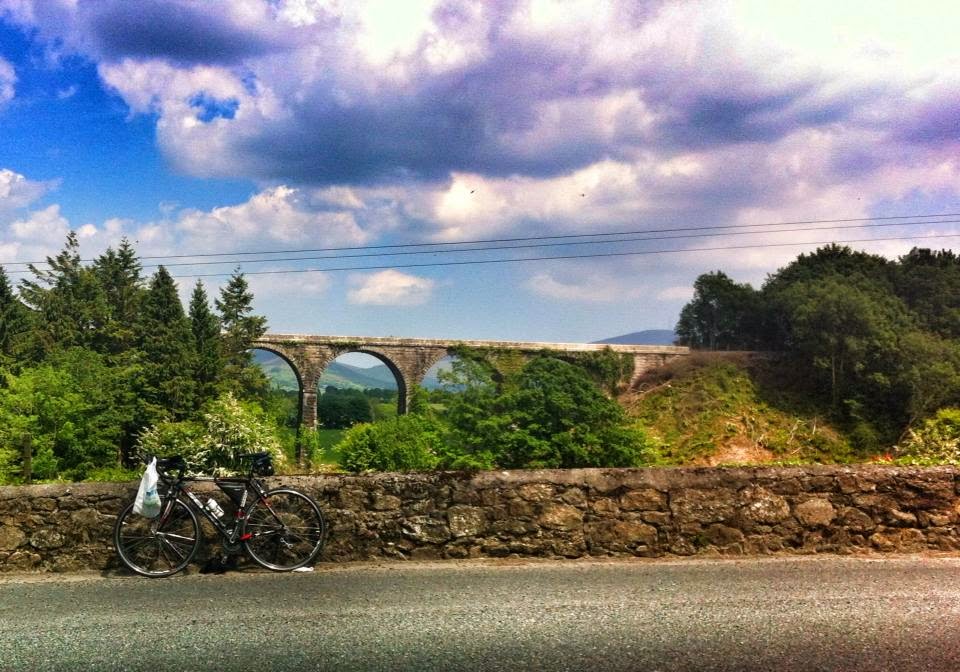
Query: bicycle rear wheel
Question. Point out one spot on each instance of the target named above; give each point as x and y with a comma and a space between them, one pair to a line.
158, 546
284, 531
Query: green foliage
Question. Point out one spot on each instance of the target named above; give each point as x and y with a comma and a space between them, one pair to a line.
228, 428
549, 415
732, 408
70, 303
880, 339
166, 386
406, 443
205, 328
14, 321
340, 409
73, 407
936, 441
240, 328
119, 274
608, 369
720, 315
847, 329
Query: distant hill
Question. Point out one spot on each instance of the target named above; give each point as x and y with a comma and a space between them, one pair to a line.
337, 374
648, 337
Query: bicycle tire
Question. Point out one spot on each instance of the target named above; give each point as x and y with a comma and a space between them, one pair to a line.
286, 530
160, 546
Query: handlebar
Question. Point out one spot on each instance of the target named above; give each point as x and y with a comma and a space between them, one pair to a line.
168, 464
260, 463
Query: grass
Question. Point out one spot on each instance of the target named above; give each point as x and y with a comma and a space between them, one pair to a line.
720, 408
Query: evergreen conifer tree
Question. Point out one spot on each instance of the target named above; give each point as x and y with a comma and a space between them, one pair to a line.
167, 388
119, 273
69, 301
240, 328
206, 341
14, 318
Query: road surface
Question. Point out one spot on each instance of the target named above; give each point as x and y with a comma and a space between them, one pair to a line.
825, 613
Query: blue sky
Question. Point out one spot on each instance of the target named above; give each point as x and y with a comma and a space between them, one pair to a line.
253, 126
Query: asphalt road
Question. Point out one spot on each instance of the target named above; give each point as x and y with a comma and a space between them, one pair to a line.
784, 614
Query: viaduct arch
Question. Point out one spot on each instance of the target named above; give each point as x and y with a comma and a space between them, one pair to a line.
409, 359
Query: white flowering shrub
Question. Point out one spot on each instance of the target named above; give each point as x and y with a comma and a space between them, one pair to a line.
936, 441
229, 428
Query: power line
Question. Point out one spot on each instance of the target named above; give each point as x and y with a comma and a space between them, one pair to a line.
532, 238
566, 243
478, 262
538, 245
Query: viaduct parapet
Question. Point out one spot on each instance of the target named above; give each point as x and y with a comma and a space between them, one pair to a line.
409, 359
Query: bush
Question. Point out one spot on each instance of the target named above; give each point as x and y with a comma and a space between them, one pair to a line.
937, 441
229, 428
551, 415
407, 443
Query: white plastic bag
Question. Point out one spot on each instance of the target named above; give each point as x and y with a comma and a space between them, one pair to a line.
147, 503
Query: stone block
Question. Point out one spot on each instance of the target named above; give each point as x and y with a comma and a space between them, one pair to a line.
619, 534
466, 521
759, 505
723, 536
11, 537
536, 492
573, 497
384, 502
704, 506
46, 539
604, 506
646, 499
560, 517
425, 529
856, 520
815, 512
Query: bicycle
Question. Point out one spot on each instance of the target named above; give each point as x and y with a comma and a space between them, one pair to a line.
280, 529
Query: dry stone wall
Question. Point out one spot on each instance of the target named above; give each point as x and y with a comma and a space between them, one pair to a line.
575, 513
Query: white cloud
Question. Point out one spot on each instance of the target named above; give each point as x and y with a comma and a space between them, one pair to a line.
8, 80
277, 214
390, 288
16, 191
45, 225
585, 286
677, 293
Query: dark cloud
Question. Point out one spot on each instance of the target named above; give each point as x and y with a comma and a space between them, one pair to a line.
935, 122
180, 31
523, 103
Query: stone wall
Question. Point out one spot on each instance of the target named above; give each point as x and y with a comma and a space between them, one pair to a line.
584, 512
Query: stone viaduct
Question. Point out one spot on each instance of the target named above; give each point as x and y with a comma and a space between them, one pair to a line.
410, 358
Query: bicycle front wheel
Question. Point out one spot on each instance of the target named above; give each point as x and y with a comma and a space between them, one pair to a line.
283, 531
158, 546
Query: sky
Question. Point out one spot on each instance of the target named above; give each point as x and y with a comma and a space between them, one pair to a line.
240, 133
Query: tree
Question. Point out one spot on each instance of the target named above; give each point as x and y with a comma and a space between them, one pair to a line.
929, 283
846, 329
119, 275
14, 319
167, 387
72, 407
721, 315
340, 409
69, 300
551, 415
206, 342
928, 372
405, 443
240, 329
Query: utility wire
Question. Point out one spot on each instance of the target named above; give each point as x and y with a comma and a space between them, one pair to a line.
532, 238
565, 243
569, 256
538, 245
